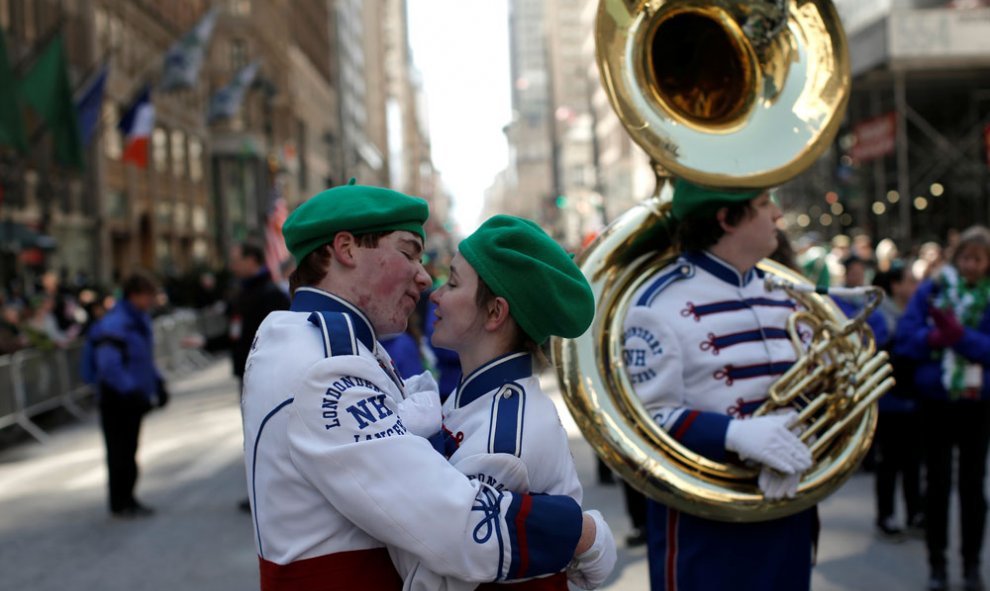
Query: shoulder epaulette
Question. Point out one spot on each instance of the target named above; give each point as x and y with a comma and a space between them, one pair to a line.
339, 337
506, 424
682, 270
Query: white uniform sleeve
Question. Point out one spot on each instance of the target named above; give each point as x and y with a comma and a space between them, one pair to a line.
504, 472
655, 364
346, 437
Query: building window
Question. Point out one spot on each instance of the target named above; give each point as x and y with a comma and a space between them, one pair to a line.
5, 15
178, 154
159, 149
301, 155
238, 54
112, 144
239, 7
195, 159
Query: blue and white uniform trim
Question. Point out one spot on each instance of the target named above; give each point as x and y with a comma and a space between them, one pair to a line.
338, 333
716, 343
310, 299
721, 269
506, 423
683, 271
543, 531
493, 375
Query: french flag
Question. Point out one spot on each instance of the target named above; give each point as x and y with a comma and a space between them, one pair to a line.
136, 125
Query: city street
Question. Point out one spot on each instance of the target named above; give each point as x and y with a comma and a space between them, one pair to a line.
55, 532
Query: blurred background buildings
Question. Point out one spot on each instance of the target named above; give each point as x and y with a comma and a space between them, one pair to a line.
318, 91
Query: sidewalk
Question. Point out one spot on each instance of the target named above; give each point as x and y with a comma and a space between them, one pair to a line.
55, 532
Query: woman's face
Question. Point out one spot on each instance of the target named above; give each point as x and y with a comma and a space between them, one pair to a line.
459, 319
972, 262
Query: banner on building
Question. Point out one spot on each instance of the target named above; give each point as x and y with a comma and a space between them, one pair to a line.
875, 137
89, 103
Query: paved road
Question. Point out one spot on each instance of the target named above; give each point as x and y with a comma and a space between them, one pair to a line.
55, 533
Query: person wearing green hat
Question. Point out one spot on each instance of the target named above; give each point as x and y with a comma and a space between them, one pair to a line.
511, 287
334, 475
702, 344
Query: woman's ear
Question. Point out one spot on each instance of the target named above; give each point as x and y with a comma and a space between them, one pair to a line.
720, 215
498, 313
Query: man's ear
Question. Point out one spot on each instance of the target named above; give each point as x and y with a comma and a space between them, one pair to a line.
343, 248
498, 313
720, 215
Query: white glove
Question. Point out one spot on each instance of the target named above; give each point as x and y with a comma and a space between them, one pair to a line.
420, 413
768, 440
776, 485
499, 470
589, 569
422, 382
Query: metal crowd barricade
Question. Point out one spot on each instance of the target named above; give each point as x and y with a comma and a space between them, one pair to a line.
8, 402
32, 382
37, 387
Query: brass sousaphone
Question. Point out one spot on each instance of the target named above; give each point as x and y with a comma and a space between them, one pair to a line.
724, 93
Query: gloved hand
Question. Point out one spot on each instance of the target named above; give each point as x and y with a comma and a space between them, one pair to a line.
421, 382
589, 569
420, 413
506, 470
161, 395
947, 331
769, 441
776, 485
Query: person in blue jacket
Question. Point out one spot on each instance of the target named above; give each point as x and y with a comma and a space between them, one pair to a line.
946, 332
898, 446
128, 386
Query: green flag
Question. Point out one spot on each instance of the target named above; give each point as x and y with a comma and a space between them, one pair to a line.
46, 88
11, 122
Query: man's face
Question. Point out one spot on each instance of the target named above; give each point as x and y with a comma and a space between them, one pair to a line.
757, 233
855, 275
240, 265
391, 278
459, 319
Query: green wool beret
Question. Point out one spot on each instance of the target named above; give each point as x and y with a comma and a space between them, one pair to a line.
692, 200
547, 293
358, 209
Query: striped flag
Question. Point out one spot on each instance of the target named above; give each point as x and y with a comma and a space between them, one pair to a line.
137, 125
276, 252
227, 101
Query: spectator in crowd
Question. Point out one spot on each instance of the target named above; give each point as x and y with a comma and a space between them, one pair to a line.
12, 338
257, 297
812, 258
945, 331
887, 253
930, 260
897, 443
128, 386
42, 327
405, 349
837, 253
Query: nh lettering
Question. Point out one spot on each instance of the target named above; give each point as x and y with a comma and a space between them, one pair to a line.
370, 410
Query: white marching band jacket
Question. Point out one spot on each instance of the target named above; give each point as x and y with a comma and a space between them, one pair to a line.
332, 472
500, 428
703, 344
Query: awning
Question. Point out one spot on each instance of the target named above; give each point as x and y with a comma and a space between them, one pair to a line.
15, 237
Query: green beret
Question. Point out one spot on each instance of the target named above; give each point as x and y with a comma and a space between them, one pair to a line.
692, 200
357, 209
547, 293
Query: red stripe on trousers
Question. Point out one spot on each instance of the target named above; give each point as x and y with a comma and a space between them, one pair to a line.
686, 424
369, 570
671, 549
557, 582
524, 509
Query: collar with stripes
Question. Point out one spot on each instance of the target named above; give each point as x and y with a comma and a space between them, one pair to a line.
310, 299
492, 375
721, 269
